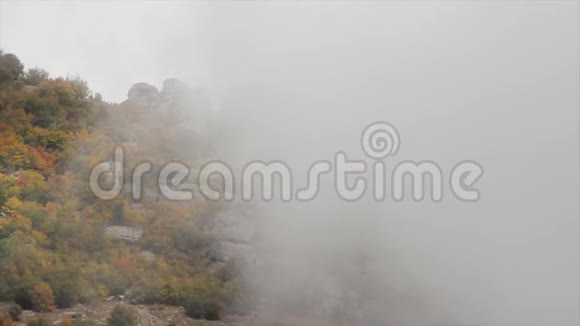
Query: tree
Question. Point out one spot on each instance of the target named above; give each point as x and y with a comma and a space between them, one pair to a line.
80, 87
66, 284
35, 76
60, 89
10, 67
8, 188
42, 298
118, 214
33, 187
46, 111
123, 316
51, 140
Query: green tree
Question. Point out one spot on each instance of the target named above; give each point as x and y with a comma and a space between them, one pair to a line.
46, 111
35, 76
33, 186
10, 67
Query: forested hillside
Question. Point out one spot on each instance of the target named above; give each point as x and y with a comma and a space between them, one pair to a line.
56, 247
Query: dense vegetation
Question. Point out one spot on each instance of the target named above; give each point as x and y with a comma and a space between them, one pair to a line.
54, 251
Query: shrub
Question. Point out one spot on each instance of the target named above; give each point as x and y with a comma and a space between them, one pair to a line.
66, 285
84, 323
199, 306
123, 316
15, 311
38, 322
78, 322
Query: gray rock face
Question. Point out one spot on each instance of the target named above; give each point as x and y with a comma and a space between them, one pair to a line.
148, 256
237, 233
144, 95
126, 233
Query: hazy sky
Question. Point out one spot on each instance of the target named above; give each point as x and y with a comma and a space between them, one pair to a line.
112, 44
496, 82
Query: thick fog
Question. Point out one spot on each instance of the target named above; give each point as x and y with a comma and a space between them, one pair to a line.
496, 83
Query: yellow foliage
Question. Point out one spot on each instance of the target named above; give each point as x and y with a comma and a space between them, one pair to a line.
11, 205
59, 89
16, 222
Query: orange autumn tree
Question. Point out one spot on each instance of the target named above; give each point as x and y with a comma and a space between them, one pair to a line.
42, 298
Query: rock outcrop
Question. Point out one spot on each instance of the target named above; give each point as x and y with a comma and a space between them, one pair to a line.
237, 232
144, 95
126, 233
190, 106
